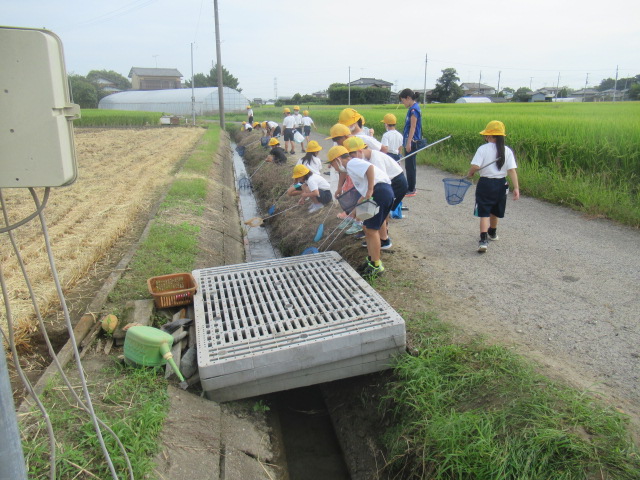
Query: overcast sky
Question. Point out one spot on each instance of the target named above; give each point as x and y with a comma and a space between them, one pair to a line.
303, 47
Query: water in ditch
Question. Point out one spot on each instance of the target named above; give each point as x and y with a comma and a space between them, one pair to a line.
311, 448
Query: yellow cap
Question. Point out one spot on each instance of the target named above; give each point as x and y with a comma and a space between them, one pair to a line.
335, 152
353, 144
389, 119
306, 112
286, 110
244, 123
273, 141
300, 171
338, 130
296, 107
256, 124
313, 146
494, 128
248, 107
349, 116
264, 124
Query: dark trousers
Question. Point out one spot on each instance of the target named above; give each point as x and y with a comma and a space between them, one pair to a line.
410, 168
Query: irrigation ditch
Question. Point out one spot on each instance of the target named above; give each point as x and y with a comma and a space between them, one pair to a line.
330, 430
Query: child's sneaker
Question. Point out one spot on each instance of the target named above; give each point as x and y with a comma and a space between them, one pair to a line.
345, 223
359, 236
386, 244
355, 228
493, 237
482, 246
371, 271
314, 207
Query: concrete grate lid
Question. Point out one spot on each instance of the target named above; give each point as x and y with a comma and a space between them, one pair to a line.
255, 308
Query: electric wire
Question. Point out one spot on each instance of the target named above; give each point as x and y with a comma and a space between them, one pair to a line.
72, 338
30, 217
51, 350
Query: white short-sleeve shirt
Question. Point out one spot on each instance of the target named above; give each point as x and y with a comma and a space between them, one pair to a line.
487, 154
385, 163
289, 122
393, 140
316, 182
357, 170
315, 165
370, 141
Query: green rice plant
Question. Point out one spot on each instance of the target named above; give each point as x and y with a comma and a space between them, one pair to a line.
116, 118
471, 411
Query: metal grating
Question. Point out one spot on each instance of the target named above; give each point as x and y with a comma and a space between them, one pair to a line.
288, 314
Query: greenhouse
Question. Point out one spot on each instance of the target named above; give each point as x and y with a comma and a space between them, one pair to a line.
175, 101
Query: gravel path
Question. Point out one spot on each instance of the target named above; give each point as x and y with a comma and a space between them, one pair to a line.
564, 289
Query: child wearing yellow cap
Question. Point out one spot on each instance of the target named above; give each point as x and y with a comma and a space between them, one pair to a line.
310, 159
307, 123
496, 161
310, 185
392, 139
277, 154
372, 184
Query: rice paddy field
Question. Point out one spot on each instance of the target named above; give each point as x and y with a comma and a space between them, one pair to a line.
582, 155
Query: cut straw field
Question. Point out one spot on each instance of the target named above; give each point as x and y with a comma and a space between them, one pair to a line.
121, 174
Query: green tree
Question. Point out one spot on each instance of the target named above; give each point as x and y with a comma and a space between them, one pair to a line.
634, 92
83, 92
121, 83
523, 94
296, 98
606, 84
447, 90
211, 80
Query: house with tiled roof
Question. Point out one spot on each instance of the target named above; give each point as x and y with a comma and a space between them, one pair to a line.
155, 78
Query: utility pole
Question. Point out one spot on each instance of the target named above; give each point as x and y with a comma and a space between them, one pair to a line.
558, 86
584, 92
424, 99
12, 465
349, 84
156, 59
499, 74
530, 81
615, 85
219, 59
193, 96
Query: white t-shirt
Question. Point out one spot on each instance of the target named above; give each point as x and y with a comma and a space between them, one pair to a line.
316, 182
393, 140
307, 121
248, 126
289, 122
357, 170
370, 141
315, 165
271, 124
250, 113
298, 118
385, 163
487, 154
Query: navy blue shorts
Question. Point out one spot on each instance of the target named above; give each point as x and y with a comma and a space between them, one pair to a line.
325, 196
383, 196
395, 156
400, 187
288, 134
491, 197
307, 130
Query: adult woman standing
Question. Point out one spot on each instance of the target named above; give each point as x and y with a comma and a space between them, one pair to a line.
412, 135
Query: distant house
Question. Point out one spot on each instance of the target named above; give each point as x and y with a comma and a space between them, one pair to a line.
321, 94
473, 100
155, 78
544, 94
107, 85
479, 89
585, 95
370, 82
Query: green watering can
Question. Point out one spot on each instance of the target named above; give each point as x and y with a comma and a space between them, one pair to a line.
149, 347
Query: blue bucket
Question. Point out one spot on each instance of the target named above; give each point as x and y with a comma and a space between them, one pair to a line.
454, 189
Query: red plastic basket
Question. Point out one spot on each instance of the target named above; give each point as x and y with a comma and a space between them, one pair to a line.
172, 290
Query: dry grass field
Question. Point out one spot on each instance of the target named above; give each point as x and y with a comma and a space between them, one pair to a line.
121, 173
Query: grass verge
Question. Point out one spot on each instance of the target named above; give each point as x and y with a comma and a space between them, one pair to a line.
133, 402
473, 411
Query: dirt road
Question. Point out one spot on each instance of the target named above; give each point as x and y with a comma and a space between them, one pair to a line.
562, 288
